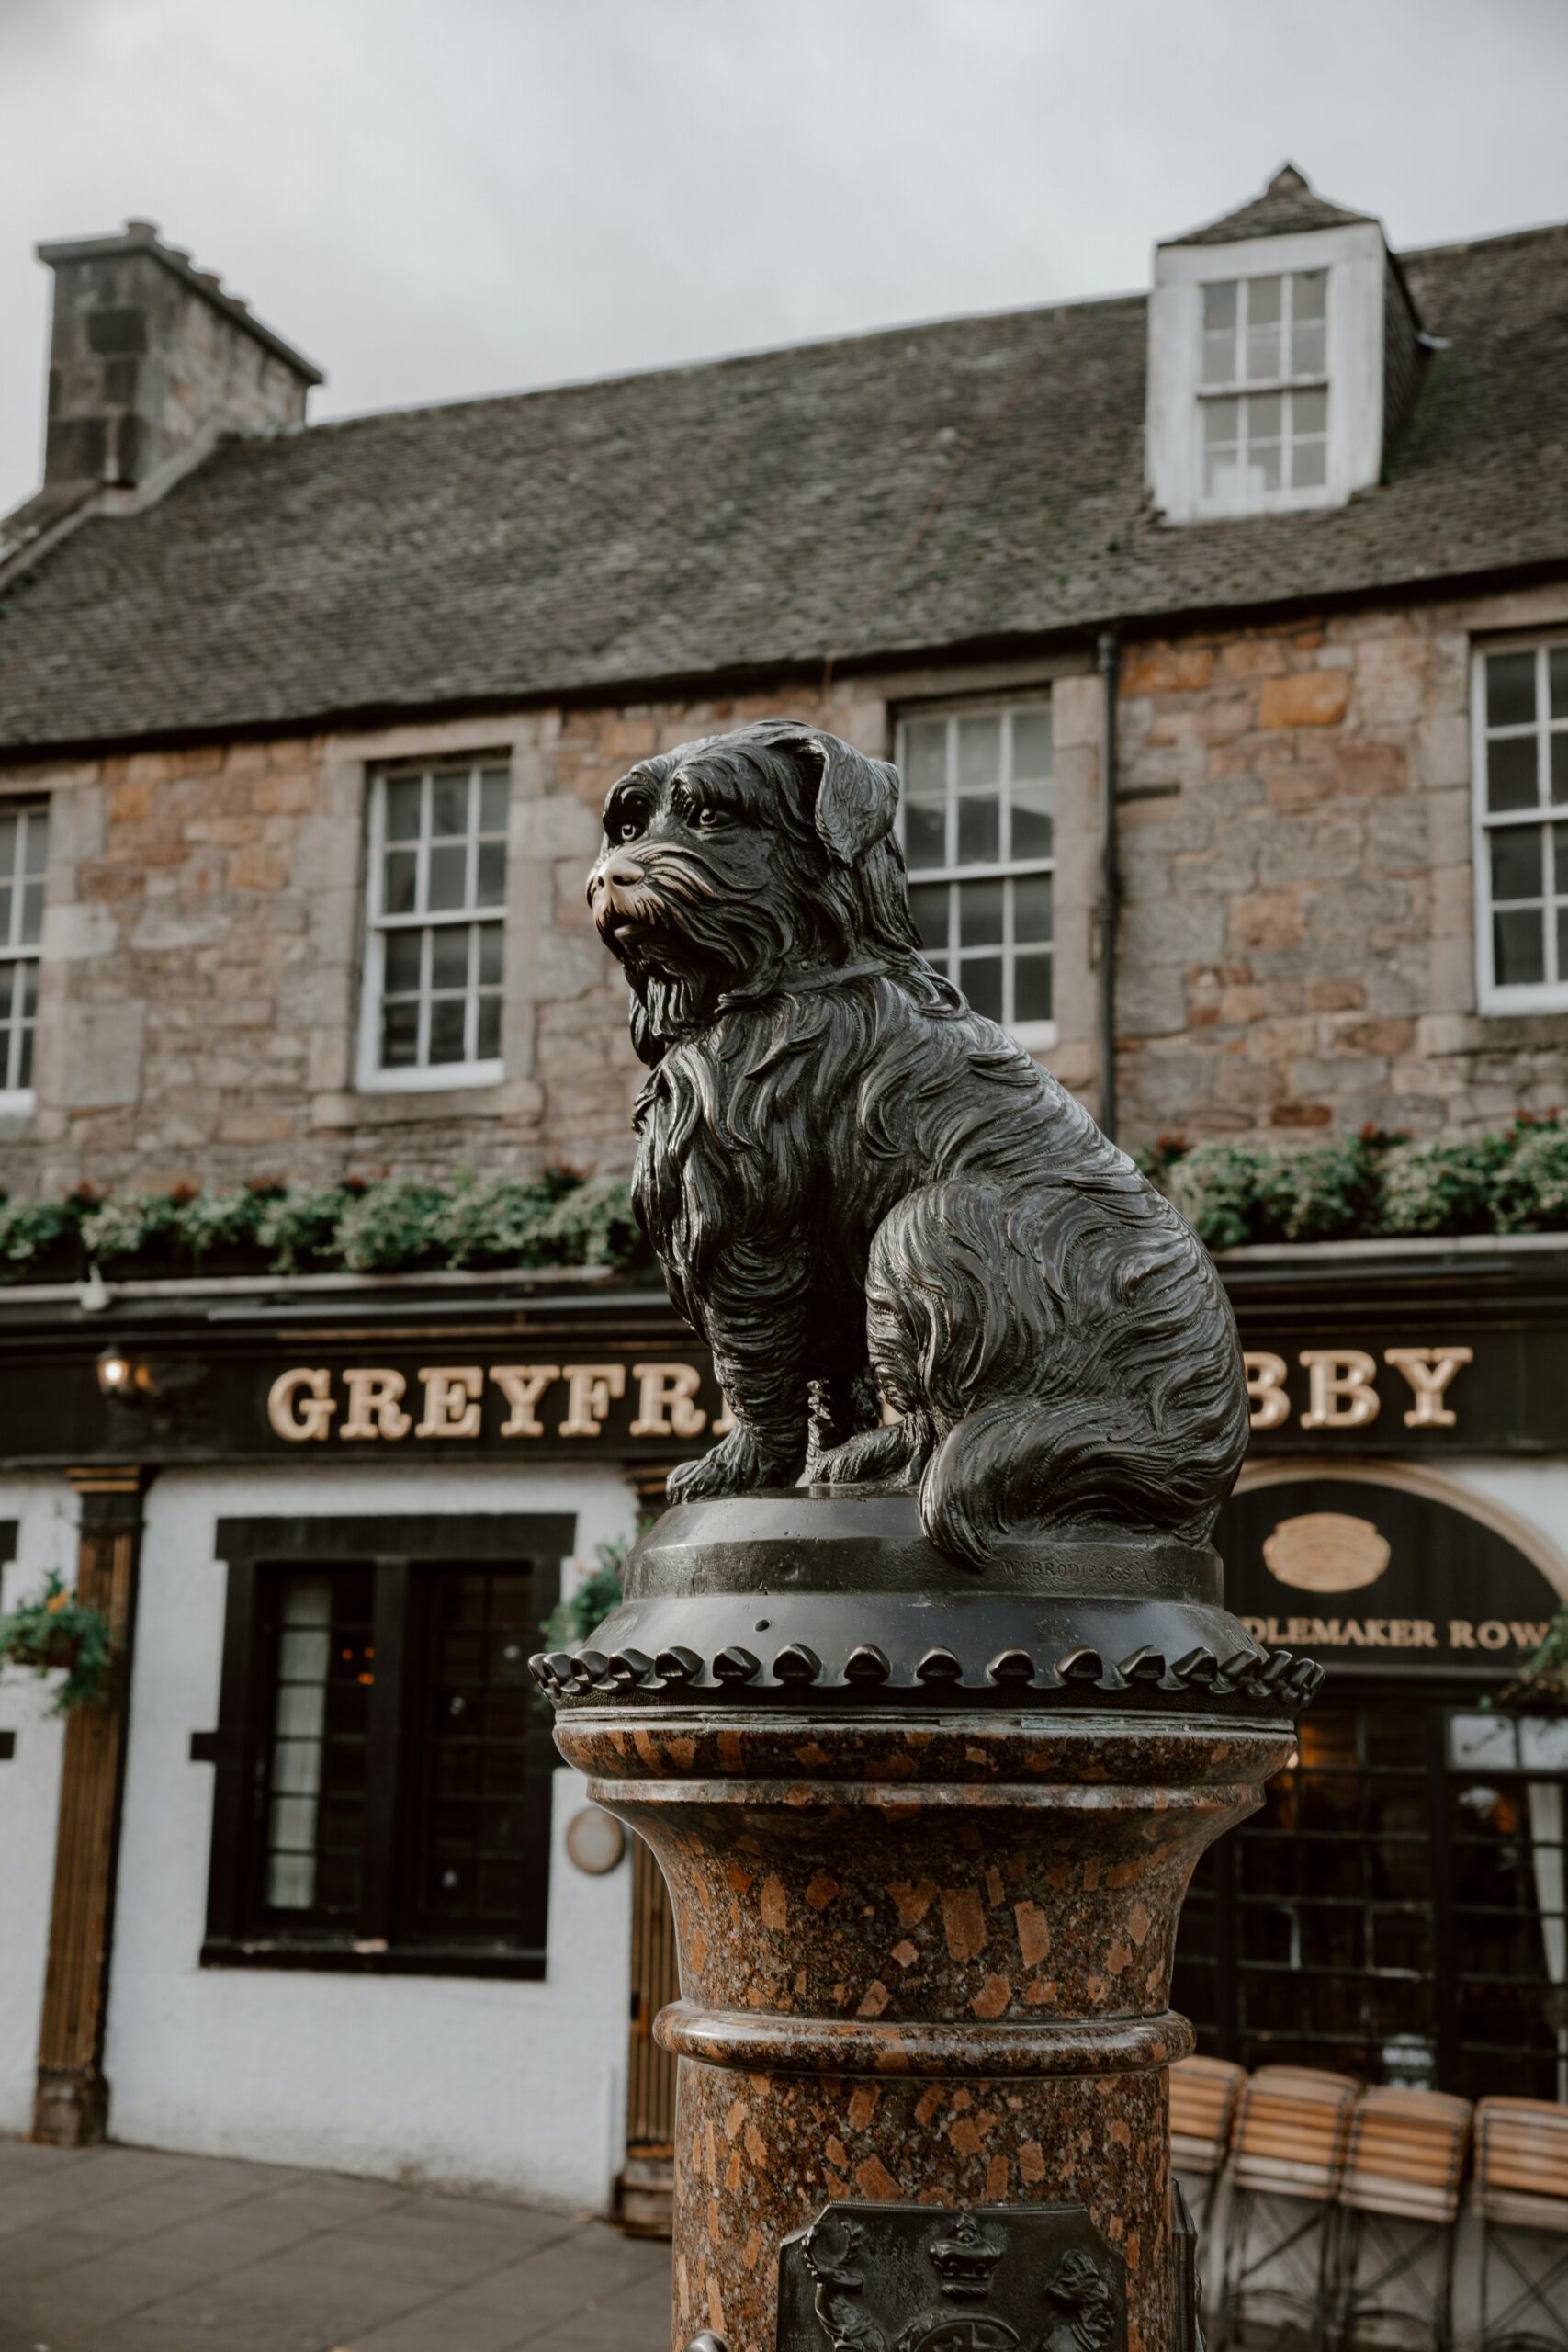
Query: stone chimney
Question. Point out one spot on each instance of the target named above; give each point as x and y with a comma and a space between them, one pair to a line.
149, 360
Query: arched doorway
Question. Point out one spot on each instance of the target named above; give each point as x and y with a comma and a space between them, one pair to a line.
1397, 1909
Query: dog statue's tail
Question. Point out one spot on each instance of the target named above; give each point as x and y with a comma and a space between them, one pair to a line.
1076, 1352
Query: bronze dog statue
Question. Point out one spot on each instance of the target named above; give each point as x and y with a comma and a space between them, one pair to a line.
856, 1184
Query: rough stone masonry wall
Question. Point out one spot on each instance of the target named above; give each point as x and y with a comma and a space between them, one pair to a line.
1296, 951
200, 989
1297, 947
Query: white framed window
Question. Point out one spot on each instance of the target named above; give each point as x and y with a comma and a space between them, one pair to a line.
1266, 372
435, 945
1263, 394
978, 822
1521, 716
24, 855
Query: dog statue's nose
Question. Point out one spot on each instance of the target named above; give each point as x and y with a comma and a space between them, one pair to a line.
621, 875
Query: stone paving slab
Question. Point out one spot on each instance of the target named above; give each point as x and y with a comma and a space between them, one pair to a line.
132, 2250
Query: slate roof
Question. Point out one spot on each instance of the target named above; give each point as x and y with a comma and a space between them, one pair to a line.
1286, 204
976, 482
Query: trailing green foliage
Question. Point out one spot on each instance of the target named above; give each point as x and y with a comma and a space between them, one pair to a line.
31, 1231
57, 1630
571, 1621
297, 1228
402, 1224
1543, 1686
501, 1220
1367, 1187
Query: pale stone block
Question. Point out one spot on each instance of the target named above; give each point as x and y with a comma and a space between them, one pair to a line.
1452, 901
164, 926
556, 826
1449, 827
76, 933
1174, 931
1443, 749
1451, 974
101, 1057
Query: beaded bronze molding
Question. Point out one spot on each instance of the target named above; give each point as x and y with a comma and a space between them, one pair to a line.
1277, 1676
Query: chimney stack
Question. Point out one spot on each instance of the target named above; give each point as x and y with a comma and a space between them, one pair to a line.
150, 361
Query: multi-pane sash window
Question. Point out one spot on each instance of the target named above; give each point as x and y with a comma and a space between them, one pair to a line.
1521, 807
437, 930
977, 821
1264, 387
24, 854
384, 1796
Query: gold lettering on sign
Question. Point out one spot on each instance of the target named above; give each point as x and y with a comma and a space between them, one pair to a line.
1340, 1395
451, 1400
1429, 1371
1265, 1387
523, 1385
375, 1394
299, 1406
1346, 1633
664, 1406
591, 1388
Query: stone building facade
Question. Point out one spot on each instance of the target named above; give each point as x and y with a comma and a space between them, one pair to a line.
554, 586
1295, 952
1222, 644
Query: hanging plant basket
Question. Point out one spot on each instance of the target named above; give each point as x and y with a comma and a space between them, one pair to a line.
1542, 1688
58, 1633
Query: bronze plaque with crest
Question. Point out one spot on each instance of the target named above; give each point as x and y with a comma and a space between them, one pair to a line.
914, 2279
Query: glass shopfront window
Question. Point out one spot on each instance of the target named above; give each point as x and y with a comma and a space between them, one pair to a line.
1396, 1910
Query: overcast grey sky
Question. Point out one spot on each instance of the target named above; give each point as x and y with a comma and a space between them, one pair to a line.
436, 199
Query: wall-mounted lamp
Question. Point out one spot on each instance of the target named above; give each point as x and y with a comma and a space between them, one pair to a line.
122, 1379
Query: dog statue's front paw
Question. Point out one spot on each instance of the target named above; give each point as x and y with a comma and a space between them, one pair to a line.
737, 1465
895, 1456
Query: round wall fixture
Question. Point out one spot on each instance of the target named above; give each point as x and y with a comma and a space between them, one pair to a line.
595, 1840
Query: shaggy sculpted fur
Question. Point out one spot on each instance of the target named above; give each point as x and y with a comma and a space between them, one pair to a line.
857, 1185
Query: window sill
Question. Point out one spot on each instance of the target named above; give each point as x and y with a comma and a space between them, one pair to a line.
343, 1958
1034, 1036
17, 1102
1282, 501
1495, 1004
434, 1077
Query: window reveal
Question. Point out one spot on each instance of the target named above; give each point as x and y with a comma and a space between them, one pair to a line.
1264, 391
436, 951
24, 854
978, 832
1522, 854
383, 1796
324, 1671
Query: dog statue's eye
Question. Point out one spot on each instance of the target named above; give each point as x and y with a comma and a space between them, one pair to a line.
708, 819
629, 830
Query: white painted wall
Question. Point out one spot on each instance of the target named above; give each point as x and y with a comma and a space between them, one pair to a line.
473, 2083
46, 1512
1537, 1491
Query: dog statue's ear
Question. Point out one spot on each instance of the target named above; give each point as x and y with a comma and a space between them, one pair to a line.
857, 797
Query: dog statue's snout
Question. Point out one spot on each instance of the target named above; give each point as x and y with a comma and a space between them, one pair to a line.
621, 874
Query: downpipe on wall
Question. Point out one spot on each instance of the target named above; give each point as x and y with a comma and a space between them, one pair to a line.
1110, 881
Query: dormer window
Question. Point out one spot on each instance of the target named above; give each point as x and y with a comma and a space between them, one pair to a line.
1269, 335
1283, 352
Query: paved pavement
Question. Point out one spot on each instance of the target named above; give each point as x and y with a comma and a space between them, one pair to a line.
126, 2250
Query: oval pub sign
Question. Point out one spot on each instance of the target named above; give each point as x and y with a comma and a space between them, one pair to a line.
1358, 1570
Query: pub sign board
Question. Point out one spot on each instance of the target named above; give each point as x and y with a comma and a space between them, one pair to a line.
580, 1387
576, 1401
1399, 1396
1358, 1571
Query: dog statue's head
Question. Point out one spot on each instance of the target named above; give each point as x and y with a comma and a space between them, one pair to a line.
744, 862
